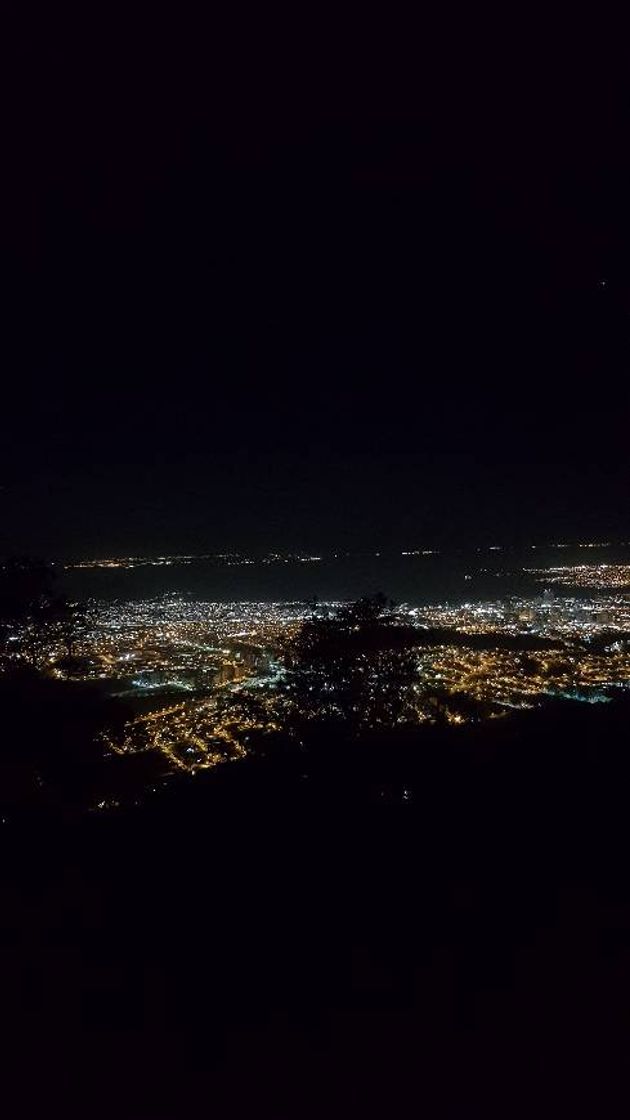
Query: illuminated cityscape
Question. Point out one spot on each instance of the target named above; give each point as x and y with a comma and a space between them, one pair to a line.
202, 680
226, 559
602, 577
315, 564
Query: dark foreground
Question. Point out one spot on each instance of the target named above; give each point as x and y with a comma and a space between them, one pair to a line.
436, 927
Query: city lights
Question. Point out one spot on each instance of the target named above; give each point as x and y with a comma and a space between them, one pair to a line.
201, 679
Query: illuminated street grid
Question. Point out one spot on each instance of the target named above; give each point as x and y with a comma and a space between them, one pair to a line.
193, 672
565, 619
203, 678
588, 656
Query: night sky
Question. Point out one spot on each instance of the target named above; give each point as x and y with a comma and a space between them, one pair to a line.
274, 286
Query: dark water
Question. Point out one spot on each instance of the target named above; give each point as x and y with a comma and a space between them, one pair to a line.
455, 576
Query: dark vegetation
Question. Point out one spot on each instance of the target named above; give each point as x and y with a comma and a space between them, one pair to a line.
372, 624
438, 925
414, 922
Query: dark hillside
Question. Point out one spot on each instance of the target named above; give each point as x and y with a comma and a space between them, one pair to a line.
436, 923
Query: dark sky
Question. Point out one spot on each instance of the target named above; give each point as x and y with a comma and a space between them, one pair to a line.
301, 286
